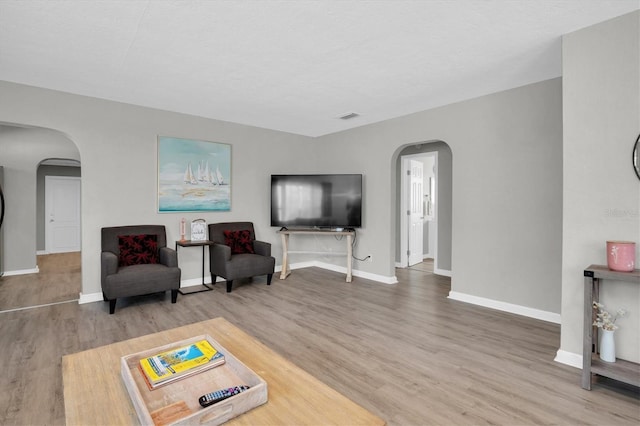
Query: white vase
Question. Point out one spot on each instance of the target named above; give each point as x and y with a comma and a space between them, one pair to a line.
607, 346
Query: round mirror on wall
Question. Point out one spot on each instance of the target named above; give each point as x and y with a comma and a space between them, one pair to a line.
636, 157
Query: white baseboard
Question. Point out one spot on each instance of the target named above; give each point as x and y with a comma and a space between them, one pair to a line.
436, 271
569, 358
97, 297
375, 277
35, 270
198, 281
46, 252
90, 298
506, 307
298, 265
443, 272
342, 269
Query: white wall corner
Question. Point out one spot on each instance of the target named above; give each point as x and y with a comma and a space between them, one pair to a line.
506, 307
569, 358
90, 298
443, 272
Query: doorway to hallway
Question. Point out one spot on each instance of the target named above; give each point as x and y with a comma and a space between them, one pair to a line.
436, 204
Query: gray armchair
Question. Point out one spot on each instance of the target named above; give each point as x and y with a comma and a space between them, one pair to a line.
137, 266
226, 262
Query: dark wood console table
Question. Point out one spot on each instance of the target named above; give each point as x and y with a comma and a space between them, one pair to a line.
621, 370
284, 234
203, 244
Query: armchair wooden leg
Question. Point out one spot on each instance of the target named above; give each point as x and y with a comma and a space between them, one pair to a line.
112, 306
213, 279
174, 296
269, 279
229, 284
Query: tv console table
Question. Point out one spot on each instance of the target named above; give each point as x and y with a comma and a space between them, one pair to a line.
621, 370
284, 234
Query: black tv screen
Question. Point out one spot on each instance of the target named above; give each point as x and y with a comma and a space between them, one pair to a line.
316, 201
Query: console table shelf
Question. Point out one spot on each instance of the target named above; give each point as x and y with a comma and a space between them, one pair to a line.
284, 233
621, 370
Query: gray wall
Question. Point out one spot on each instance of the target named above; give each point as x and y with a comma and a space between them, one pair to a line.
508, 242
506, 189
117, 148
601, 94
506, 151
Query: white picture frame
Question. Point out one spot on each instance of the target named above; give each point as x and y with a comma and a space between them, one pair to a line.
198, 230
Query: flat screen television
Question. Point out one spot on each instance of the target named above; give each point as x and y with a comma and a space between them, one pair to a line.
316, 201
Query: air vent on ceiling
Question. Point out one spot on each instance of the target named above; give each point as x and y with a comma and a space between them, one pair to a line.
348, 116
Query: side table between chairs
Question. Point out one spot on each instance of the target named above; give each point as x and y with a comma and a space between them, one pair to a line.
203, 244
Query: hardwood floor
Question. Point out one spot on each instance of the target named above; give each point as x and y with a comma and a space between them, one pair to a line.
404, 352
59, 281
425, 266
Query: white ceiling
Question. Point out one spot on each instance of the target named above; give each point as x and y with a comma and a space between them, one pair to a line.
290, 65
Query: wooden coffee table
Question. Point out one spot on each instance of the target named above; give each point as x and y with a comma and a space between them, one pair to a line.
94, 392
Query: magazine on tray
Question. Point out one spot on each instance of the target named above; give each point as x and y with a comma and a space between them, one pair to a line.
180, 362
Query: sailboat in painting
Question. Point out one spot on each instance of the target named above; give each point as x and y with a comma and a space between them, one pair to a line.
219, 177
204, 174
189, 177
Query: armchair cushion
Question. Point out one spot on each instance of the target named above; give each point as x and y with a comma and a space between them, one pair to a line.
239, 241
141, 249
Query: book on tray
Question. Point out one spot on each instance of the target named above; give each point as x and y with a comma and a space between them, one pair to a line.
180, 362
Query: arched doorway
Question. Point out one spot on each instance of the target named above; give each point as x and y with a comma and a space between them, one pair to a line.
441, 187
28, 155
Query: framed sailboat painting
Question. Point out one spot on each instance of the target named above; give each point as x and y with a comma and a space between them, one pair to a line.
193, 175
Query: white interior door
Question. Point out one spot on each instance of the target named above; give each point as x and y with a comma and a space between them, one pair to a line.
416, 212
62, 214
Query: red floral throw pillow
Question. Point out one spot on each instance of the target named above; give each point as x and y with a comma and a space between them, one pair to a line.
239, 241
138, 249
